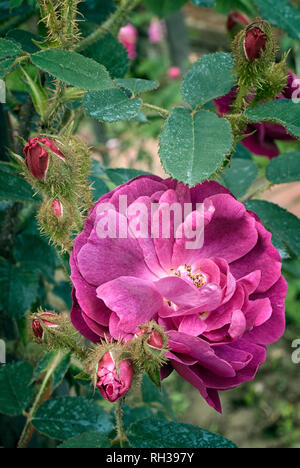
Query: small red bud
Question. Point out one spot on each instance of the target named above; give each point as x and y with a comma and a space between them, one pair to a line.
255, 43
57, 208
237, 21
114, 383
155, 339
37, 157
37, 329
41, 320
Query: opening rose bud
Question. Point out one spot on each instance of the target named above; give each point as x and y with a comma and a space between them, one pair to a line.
237, 21
37, 157
114, 382
255, 43
155, 339
41, 321
57, 208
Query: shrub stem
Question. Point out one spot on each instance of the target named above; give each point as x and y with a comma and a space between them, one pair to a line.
28, 430
114, 22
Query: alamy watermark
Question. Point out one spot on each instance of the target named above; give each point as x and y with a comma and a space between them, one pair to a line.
2, 92
2, 352
296, 353
296, 92
146, 220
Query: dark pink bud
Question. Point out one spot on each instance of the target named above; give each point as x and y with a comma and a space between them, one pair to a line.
255, 43
114, 383
57, 208
42, 320
237, 21
155, 339
37, 157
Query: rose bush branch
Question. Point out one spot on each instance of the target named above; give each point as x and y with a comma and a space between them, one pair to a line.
111, 25
43, 393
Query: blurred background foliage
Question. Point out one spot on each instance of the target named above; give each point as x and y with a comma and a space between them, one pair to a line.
263, 413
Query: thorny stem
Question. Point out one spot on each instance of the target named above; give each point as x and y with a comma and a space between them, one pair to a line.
114, 22
239, 104
121, 436
54, 106
28, 429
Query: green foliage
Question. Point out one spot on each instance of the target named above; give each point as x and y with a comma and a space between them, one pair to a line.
285, 168
15, 3
60, 371
239, 176
74, 69
137, 85
43, 364
153, 397
64, 418
9, 51
122, 176
25, 39
17, 279
13, 187
111, 105
241, 152
5, 66
246, 6
97, 11
282, 14
281, 111
110, 53
209, 78
35, 254
283, 225
159, 433
194, 147
89, 440
164, 8
15, 390
204, 3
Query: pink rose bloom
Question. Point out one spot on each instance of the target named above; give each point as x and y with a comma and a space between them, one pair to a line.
220, 304
113, 383
174, 73
128, 36
156, 32
37, 158
262, 142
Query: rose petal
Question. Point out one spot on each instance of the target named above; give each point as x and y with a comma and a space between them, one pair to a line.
134, 300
